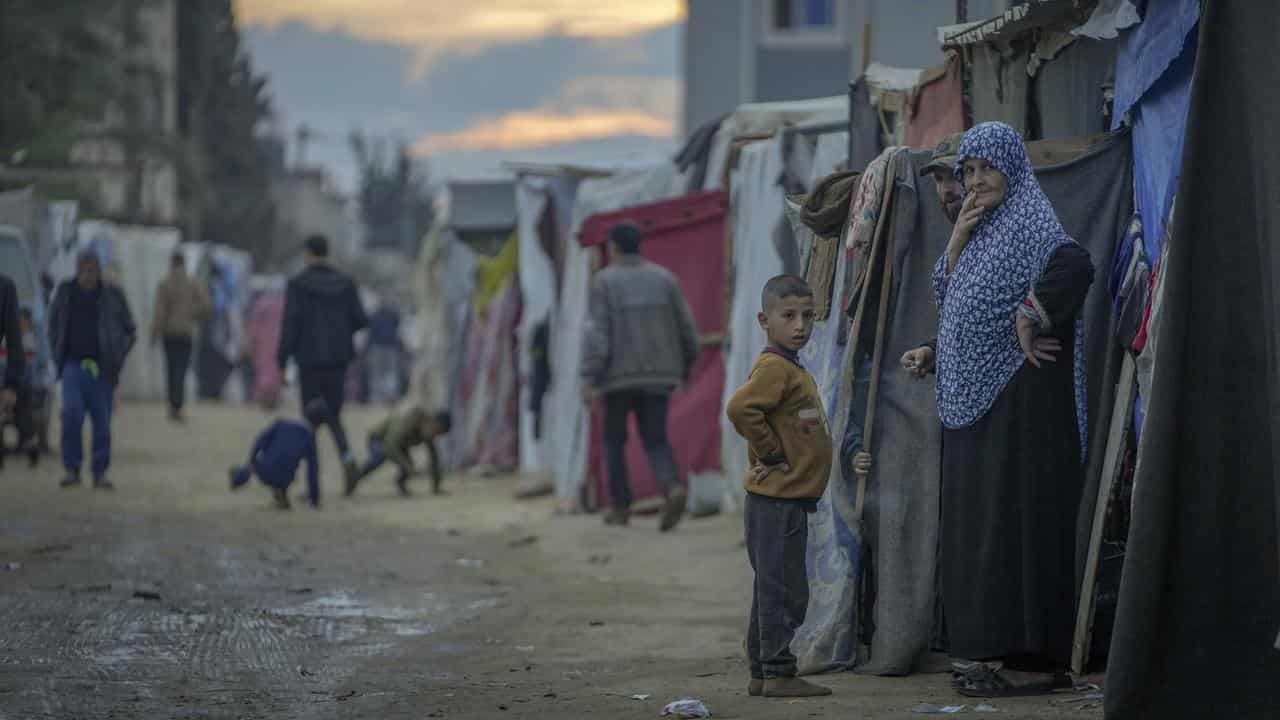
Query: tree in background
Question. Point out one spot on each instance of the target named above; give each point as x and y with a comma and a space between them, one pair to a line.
395, 195
57, 70
226, 183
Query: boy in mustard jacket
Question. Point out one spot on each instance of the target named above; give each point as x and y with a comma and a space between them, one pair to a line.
779, 413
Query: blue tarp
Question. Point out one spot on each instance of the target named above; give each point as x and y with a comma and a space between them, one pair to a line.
1153, 85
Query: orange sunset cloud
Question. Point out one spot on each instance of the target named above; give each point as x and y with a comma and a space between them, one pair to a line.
450, 22
540, 128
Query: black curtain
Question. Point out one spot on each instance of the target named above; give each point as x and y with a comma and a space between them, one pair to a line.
1200, 598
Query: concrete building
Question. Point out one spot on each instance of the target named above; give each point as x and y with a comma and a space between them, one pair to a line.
742, 51
307, 202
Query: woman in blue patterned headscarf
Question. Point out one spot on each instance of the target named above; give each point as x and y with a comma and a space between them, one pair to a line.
1009, 360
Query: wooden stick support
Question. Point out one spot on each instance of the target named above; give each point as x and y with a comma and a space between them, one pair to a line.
1120, 416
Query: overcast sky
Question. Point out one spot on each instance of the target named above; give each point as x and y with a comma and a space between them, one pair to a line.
473, 83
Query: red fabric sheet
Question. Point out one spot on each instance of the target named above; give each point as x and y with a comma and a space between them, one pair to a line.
936, 110
686, 236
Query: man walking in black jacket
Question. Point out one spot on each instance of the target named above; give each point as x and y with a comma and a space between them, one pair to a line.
91, 330
322, 312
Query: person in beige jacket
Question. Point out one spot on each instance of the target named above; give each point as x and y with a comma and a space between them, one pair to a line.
182, 303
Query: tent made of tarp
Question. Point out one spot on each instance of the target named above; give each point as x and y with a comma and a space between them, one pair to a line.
485, 421
686, 236
567, 416
873, 598
544, 201
764, 119
443, 287
756, 219
1033, 68
1199, 606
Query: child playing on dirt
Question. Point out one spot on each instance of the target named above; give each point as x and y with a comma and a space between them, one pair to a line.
779, 413
279, 450
20, 416
395, 437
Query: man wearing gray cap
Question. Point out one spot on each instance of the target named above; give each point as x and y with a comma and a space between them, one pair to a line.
942, 168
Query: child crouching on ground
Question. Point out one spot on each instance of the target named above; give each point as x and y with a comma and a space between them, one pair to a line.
395, 437
279, 450
779, 413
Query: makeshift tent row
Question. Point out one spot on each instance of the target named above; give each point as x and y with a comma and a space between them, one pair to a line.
873, 580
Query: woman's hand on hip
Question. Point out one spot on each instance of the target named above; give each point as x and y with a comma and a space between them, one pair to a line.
1034, 347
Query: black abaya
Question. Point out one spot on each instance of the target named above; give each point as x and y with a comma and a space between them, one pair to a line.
1011, 486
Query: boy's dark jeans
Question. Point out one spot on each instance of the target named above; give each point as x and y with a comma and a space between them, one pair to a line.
650, 407
777, 540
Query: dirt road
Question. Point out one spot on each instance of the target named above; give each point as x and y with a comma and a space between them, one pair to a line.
172, 597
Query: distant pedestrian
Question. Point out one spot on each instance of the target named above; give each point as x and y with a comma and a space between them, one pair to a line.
20, 414
393, 440
641, 343
322, 312
383, 353
92, 332
278, 451
262, 341
182, 304
15, 365
779, 412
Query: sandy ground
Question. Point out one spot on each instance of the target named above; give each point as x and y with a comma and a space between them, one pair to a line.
173, 597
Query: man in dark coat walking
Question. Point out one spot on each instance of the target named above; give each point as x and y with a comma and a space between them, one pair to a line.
322, 311
91, 331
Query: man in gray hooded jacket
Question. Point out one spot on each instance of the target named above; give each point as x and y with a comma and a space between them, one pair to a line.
640, 344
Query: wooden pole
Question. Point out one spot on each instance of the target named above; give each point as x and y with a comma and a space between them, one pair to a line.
1120, 416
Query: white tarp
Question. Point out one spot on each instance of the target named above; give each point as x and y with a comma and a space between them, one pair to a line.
761, 118
138, 261
537, 289
567, 419
756, 211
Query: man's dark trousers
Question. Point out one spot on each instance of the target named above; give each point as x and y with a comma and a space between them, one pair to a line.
177, 358
83, 393
330, 384
777, 540
650, 407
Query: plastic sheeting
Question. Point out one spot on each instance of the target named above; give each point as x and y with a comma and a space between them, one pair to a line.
486, 427
936, 108
686, 236
444, 281
538, 296
564, 407
764, 118
756, 215
1153, 85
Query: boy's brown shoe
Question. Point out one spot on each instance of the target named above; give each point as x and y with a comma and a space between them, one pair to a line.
793, 687
755, 688
617, 517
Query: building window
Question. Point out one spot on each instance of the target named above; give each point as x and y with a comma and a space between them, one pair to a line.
805, 23
803, 15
